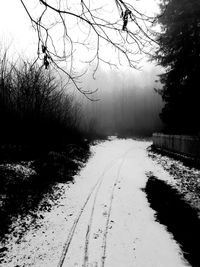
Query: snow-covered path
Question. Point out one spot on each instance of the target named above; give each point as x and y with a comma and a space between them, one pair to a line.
104, 218
115, 226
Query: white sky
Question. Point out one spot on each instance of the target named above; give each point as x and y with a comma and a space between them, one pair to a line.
16, 30
15, 27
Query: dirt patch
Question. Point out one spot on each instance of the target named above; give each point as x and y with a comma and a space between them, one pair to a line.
177, 215
186, 176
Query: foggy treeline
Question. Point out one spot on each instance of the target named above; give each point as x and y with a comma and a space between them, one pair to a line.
128, 104
35, 107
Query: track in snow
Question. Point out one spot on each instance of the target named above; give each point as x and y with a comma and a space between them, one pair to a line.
95, 191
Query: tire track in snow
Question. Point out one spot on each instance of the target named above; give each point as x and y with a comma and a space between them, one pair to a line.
86, 255
86, 251
104, 246
73, 228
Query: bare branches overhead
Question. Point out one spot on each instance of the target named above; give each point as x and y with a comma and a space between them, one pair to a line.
86, 30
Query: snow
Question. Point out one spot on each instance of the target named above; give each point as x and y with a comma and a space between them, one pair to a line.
185, 179
22, 169
104, 218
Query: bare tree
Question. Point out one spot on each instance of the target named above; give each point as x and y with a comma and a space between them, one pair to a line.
63, 27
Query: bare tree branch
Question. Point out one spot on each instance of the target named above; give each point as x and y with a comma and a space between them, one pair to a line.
65, 28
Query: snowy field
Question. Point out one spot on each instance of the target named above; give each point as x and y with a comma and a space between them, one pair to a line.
102, 219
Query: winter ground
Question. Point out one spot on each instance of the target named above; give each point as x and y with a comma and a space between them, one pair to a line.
107, 217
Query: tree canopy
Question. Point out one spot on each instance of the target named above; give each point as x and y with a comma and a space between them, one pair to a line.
179, 54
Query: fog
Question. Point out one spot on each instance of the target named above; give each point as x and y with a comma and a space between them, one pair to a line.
128, 104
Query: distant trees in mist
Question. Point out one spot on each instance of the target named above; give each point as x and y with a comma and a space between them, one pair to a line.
33, 105
128, 105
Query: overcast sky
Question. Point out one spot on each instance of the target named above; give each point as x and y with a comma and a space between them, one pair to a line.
15, 26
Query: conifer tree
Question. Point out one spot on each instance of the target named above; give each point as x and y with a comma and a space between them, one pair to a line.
179, 54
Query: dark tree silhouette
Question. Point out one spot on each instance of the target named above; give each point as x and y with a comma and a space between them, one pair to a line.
179, 54
64, 26
34, 107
